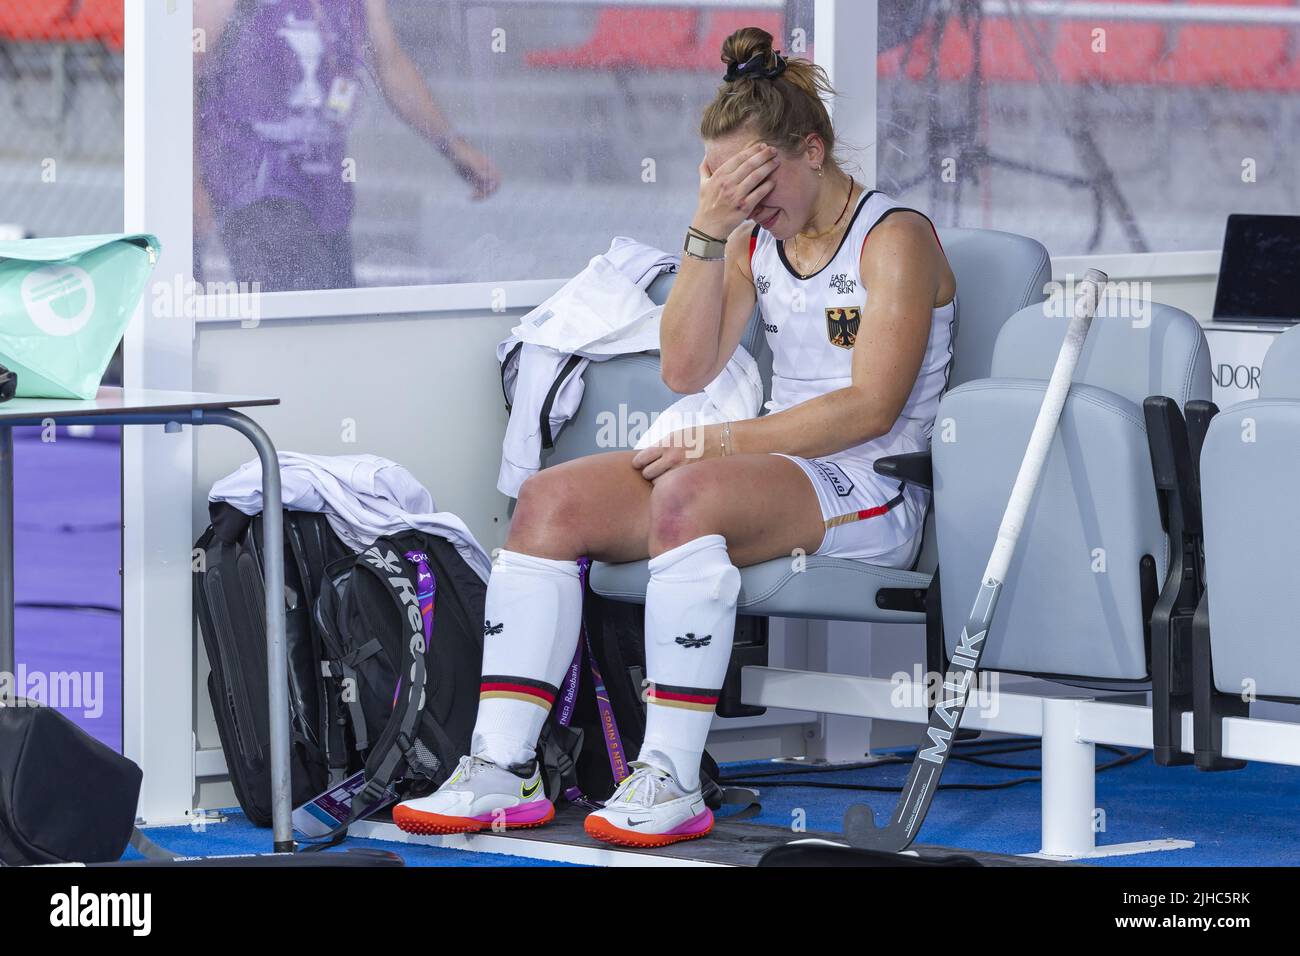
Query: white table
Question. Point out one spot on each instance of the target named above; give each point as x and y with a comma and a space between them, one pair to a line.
117, 406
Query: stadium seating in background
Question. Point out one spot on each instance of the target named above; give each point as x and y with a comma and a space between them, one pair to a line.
652, 38
1221, 54
720, 24
1133, 50
1138, 52
64, 21
625, 38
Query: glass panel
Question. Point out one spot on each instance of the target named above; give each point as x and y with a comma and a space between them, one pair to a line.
61, 175
1091, 134
344, 142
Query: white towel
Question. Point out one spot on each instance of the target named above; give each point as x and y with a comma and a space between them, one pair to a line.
735, 395
362, 497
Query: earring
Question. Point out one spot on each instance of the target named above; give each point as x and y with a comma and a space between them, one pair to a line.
819, 171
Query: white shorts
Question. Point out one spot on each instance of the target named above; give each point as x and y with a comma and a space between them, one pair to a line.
868, 517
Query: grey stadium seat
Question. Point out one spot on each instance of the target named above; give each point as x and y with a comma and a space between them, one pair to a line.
1093, 552
1246, 638
998, 273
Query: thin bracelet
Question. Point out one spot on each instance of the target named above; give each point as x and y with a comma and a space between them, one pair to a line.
703, 235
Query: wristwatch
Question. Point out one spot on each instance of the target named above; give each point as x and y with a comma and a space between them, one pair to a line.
700, 246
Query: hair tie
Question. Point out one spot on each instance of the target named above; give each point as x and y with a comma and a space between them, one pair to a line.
756, 68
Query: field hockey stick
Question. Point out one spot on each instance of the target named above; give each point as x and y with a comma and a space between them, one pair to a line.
859, 823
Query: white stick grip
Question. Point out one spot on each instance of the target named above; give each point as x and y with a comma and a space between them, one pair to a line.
1040, 439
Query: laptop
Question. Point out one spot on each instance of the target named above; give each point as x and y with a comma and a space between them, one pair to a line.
1258, 270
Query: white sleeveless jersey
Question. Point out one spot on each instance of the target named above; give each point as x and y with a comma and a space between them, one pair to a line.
812, 324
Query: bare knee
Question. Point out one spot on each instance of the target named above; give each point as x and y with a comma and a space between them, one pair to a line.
546, 520
680, 508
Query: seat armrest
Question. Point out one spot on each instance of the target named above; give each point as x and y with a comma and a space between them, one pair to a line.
1173, 466
1199, 415
915, 468
1170, 625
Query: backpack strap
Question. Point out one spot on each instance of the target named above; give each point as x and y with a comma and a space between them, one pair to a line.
414, 600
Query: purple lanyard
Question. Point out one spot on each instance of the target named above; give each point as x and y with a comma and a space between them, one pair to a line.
569, 696
425, 589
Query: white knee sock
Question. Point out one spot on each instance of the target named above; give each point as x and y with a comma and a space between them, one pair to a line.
533, 612
690, 616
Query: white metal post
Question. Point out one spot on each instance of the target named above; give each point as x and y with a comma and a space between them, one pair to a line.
1069, 782
158, 468
845, 38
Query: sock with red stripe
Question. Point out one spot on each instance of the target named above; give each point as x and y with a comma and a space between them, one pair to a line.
690, 621
533, 612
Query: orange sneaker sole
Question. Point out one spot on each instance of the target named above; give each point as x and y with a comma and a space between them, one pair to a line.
435, 824
601, 829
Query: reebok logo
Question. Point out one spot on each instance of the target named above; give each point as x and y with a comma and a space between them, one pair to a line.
74, 909
384, 562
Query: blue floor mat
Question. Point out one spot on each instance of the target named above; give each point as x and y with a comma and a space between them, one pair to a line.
237, 835
1242, 818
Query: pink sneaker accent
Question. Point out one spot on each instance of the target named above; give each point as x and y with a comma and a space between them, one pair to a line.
521, 815
699, 824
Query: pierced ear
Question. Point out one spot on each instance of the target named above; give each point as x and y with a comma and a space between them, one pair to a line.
814, 148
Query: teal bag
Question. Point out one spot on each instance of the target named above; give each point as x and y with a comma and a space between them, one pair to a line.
65, 304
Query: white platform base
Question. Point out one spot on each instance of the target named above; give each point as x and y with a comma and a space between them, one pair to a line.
530, 847
1117, 849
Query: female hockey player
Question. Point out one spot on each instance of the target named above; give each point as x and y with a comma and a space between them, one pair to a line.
857, 300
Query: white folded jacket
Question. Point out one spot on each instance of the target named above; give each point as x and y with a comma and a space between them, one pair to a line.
362, 497
598, 314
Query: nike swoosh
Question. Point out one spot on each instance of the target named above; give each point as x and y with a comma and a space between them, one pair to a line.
637, 823
529, 791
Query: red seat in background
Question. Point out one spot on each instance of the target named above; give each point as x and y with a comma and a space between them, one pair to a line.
101, 21
64, 21
1227, 55
1284, 77
20, 21
1002, 54
1133, 50
643, 37
707, 54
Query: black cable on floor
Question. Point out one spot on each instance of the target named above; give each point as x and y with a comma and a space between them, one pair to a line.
759, 780
986, 747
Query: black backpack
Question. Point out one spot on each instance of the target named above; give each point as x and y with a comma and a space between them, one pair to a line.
229, 601
410, 697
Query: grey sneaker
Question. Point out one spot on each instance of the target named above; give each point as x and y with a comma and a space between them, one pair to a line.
480, 795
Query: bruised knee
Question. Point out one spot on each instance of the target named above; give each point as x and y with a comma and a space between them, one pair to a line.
681, 508
547, 514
